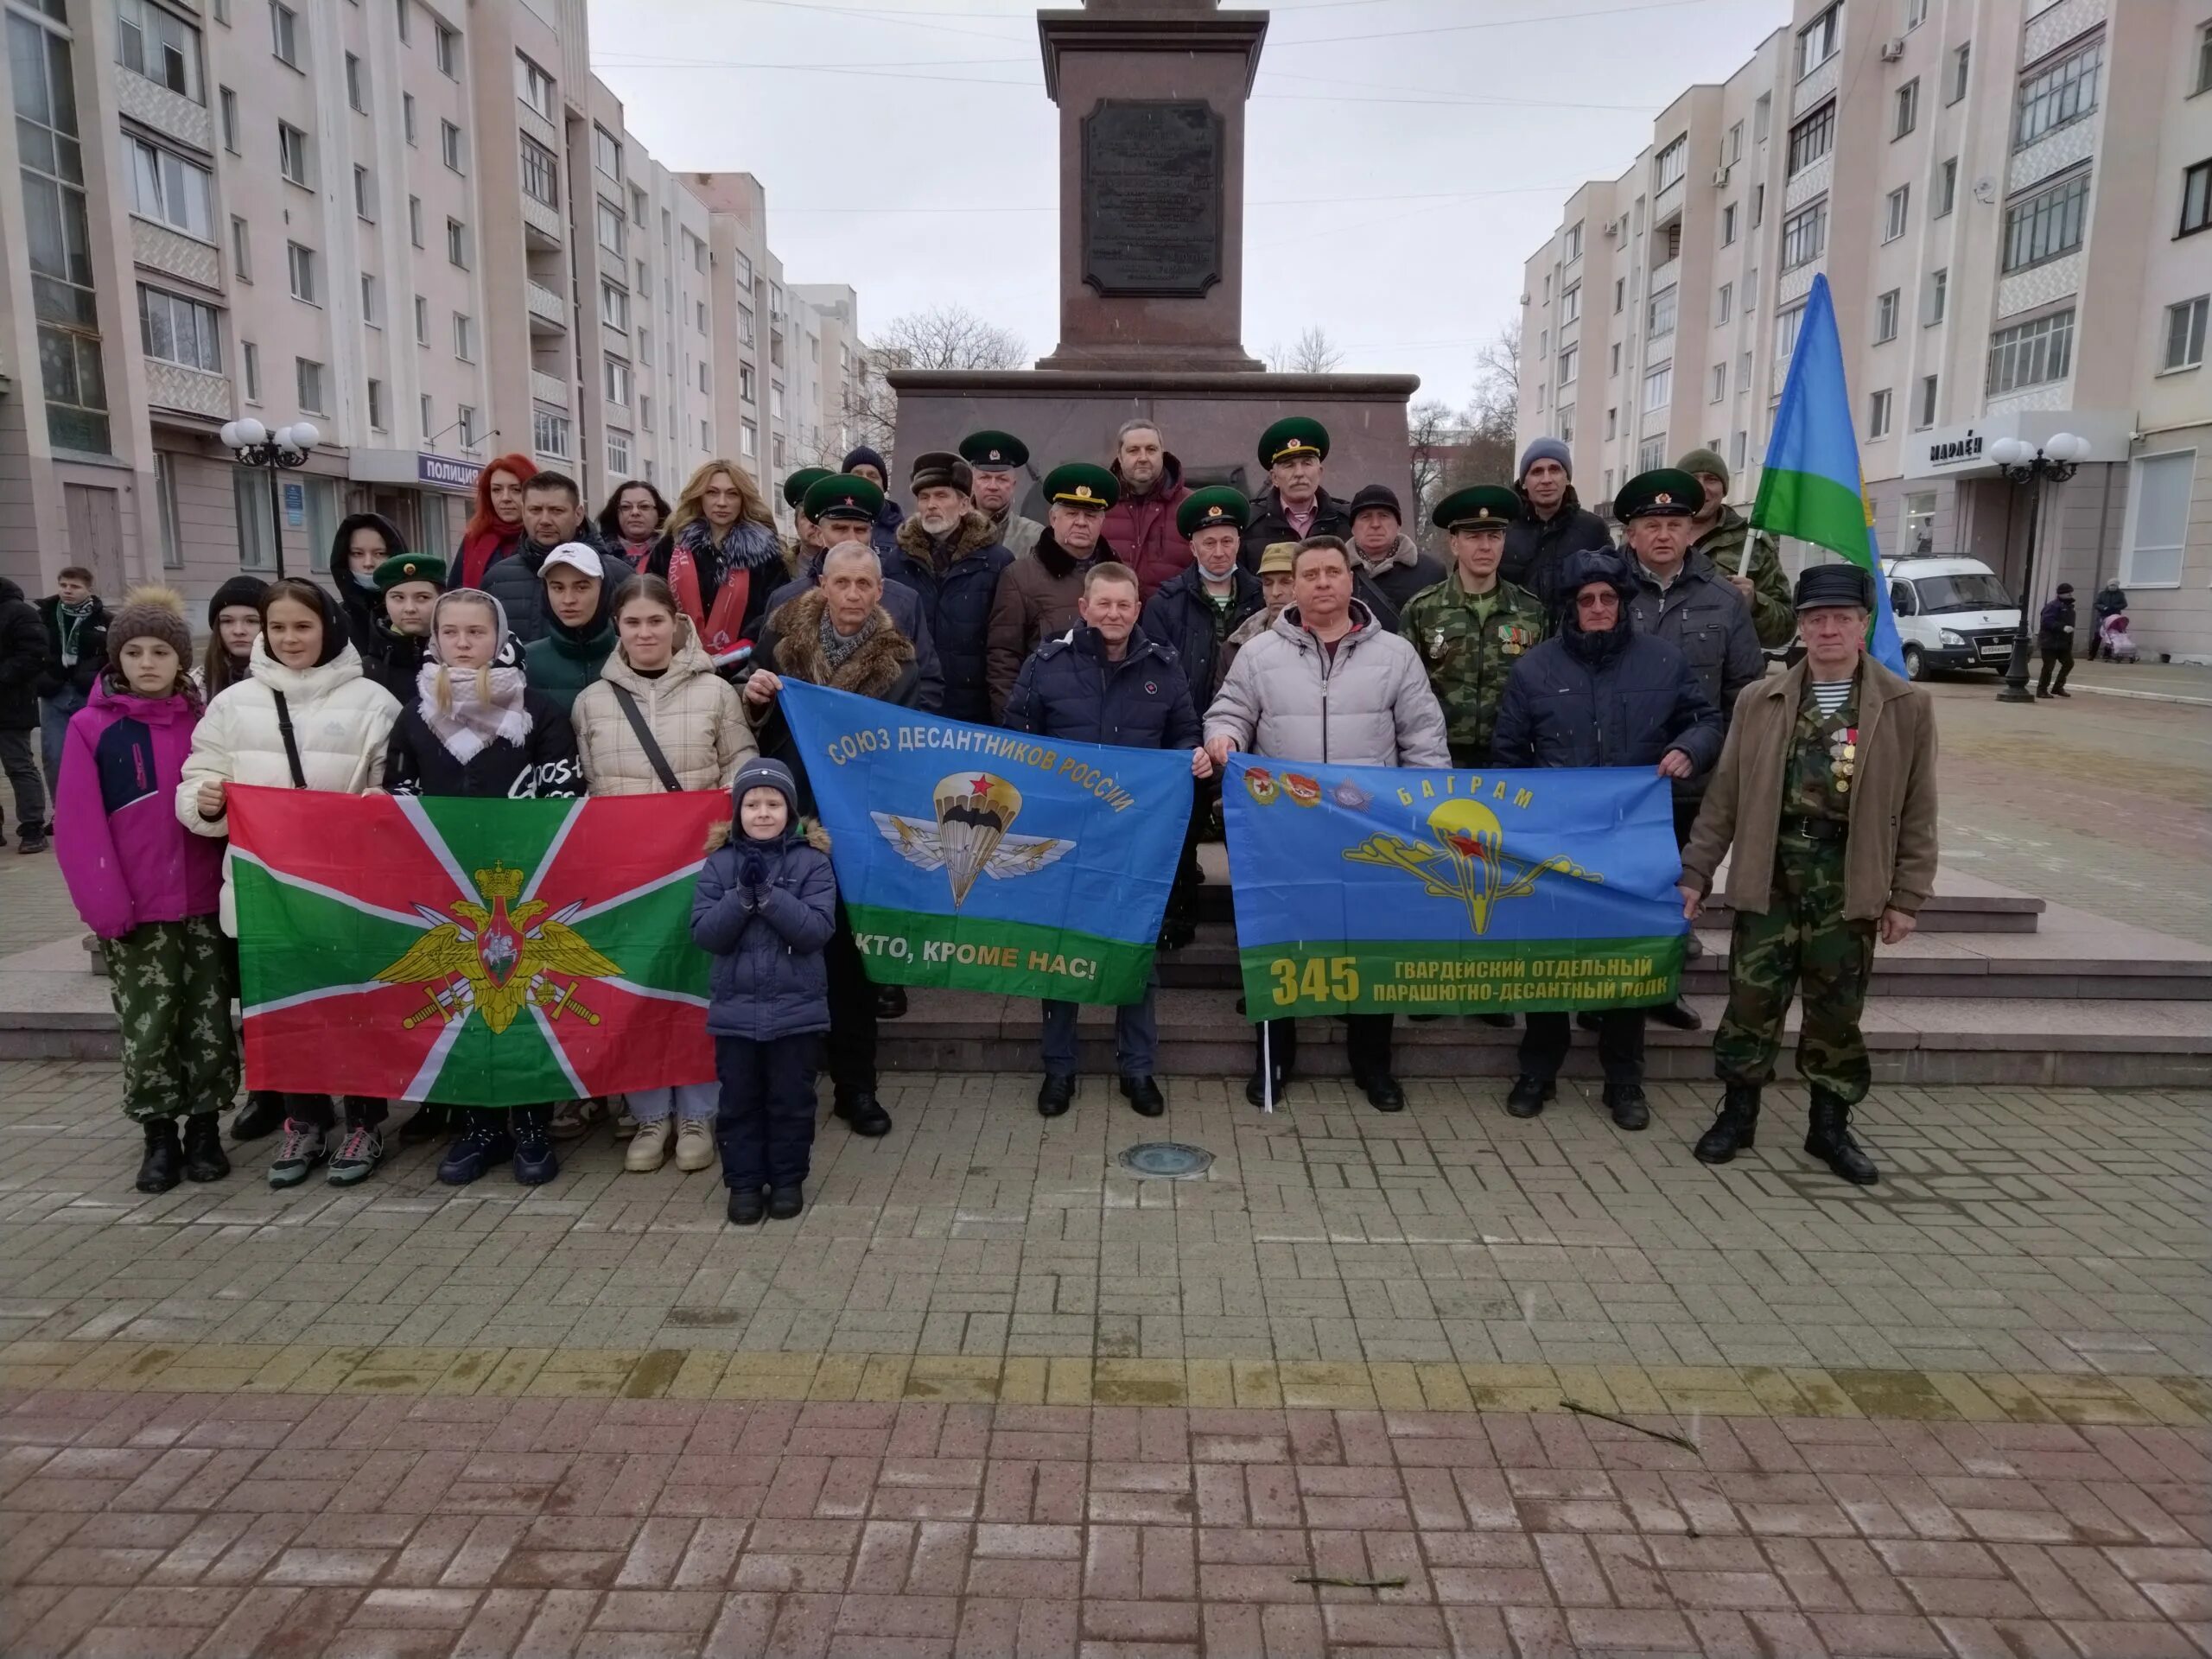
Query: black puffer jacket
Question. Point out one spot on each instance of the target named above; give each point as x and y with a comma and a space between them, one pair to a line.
956, 601
23, 660
394, 660
541, 766
364, 606
1182, 617
1068, 690
1536, 549
1702, 615
514, 581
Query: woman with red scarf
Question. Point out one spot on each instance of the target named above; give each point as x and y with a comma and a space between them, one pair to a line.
495, 528
722, 558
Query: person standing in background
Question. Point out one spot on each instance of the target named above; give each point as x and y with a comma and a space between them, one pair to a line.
76, 650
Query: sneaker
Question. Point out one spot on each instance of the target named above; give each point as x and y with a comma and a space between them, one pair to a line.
357, 1157
649, 1150
484, 1141
304, 1145
626, 1127
695, 1146
535, 1163
35, 844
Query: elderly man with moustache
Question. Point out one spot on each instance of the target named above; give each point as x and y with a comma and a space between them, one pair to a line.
1036, 598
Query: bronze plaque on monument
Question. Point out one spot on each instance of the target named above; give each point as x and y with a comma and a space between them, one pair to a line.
1152, 197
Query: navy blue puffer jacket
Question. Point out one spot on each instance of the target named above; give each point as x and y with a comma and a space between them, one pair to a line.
768, 979
1068, 690
1625, 710
957, 599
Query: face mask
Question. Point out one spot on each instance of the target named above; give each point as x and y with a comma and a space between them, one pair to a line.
367, 583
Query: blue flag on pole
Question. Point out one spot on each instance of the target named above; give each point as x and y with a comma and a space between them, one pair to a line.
990, 859
1370, 890
1810, 486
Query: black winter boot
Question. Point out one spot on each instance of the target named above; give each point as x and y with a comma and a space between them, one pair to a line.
262, 1114
535, 1163
163, 1164
204, 1158
1828, 1138
1732, 1130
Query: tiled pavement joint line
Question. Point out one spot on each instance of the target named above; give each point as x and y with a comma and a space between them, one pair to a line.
699, 1373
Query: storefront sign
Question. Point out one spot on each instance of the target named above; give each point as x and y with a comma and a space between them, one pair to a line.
1956, 450
443, 473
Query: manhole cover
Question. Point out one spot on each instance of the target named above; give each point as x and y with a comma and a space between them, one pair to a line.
1169, 1160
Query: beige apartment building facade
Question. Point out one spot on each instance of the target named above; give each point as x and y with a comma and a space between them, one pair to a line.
2010, 200
423, 228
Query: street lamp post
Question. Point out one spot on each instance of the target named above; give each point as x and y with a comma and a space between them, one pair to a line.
2021, 462
253, 444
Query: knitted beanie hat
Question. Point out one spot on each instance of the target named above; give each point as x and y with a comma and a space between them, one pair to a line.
156, 612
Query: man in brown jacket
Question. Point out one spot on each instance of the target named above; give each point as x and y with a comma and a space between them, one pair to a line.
1827, 791
1037, 594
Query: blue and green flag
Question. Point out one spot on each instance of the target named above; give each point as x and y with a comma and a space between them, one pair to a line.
989, 860
1368, 890
1810, 486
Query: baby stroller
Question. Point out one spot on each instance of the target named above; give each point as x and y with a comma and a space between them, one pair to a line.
2115, 641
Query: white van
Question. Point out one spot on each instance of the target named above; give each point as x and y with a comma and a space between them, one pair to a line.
1952, 613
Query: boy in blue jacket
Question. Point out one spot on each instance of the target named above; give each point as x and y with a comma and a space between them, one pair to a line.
765, 905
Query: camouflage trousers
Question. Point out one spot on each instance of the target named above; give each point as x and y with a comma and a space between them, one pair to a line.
1801, 945
172, 984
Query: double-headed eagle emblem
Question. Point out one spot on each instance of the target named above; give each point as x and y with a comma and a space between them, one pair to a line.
1471, 866
970, 836
498, 960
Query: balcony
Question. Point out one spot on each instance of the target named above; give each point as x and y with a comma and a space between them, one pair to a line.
159, 248
548, 388
169, 113
549, 312
192, 391
543, 231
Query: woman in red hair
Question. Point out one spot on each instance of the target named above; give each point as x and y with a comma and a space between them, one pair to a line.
496, 526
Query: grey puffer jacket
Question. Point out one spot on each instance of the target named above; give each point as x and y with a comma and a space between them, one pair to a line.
1371, 706
768, 979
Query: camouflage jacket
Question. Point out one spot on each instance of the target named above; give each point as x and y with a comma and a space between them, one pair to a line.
1774, 618
1468, 655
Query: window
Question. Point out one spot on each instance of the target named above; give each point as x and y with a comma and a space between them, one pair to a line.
293, 160
2057, 96
1758, 205
1939, 294
1720, 383
1736, 450
1925, 416
548, 431
614, 307
310, 378
2184, 334
608, 218
1612, 421
1804, 235
1915, 14
1566, 431
1886, 316
357, 85
402, 7
606, 151
2203, 61
159, 45
699, 316
241, 250
250, 355
1812, 138
1946, 188
747, 391
1762, 117
1920, 521
1573, 242
457, 243
617, 380
1659, 316
372, 311
2195, 198
541, 174
1744, 370
749, 439
1671, 164
1651, 453
427, 412
2047, 224
1877, 413
376, 406
706, 437
1728, 225
1786, 325
617, 453
702, 377
2031, 353
533, 86
2157, 504
1895, 209
407, 116
645, 410
449, 144
227, 102
301, 264
415, 220
178, 330
641, 212
1817, 40
1620, 293
250, 500
464, 421
1733, 151
644, 343
364, 195
449, 52
284, 33
422, 320
1726, 301
1616, 365
464, 337
744, 269
1566, 358
165, 501
1961, 61
745, 325
172, 191
1658, 387
1570, 305
1904, 109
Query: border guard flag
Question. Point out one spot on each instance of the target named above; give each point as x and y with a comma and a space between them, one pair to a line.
1810, 486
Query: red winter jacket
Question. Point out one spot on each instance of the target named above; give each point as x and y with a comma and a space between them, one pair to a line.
1142, 529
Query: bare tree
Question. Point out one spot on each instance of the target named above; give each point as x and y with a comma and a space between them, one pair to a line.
1312, 353
1497, 383
1432, 431
949, 337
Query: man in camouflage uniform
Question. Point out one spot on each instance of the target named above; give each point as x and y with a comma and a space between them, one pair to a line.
1745, 556
1473, 627
1826, 789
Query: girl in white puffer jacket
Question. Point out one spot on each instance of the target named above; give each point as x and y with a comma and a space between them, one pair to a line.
305, 666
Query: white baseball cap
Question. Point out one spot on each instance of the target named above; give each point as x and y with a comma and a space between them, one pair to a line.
577, 555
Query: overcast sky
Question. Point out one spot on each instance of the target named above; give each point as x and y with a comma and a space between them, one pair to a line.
1403, 157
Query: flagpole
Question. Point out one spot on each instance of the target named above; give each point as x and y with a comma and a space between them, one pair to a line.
1267, 1067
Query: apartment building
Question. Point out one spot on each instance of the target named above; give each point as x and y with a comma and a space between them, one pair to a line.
424, 228
2008, 197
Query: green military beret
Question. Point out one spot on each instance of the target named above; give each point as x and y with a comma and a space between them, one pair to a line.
410, 567
1662, 493
1479, 506
797, 486
1079, 484
1294, 434
1217, 503
841, 495
993, 452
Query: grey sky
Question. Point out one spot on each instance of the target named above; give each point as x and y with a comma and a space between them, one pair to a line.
1403, 157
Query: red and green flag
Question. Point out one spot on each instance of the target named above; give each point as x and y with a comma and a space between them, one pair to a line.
474, 952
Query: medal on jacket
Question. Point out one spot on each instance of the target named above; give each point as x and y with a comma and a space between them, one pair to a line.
1843, 757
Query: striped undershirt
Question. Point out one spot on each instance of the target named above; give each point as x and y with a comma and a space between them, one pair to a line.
1828, 695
